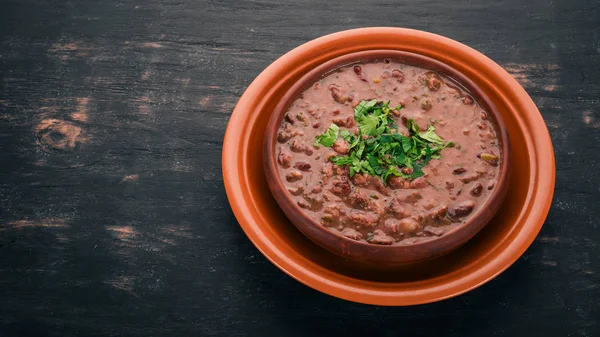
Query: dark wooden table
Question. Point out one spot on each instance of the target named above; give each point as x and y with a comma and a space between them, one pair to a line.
113, 215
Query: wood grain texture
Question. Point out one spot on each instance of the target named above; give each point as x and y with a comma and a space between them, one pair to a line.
113, 216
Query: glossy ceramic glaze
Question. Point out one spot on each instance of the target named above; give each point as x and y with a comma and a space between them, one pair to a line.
378, 256
494, 249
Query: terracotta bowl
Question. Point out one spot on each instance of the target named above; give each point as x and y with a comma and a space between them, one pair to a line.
381, 256
494, 249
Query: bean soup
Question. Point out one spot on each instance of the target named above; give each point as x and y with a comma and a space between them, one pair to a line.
388, 153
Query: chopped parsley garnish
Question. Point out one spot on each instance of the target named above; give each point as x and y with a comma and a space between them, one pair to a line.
329, 137
379, 149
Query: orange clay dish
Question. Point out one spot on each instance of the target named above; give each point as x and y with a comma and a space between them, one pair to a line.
495, 248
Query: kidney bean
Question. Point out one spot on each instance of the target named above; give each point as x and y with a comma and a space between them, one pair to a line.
462, 209
289, 118
327, 170
347, 122
397, 209
361, 179
438, 212
299, 146
315, 200
330, 197
418, 183
302, 166
351, 234
376, 206
426, 105
293, 176
429, 204
411, 197
337, 94
433, 81
406, 170
379, 186
341, 146
359, 73
365, 219
288, 133
380, 238
351, 96
283, 159
398, 75
316, 189
392, 225
358, 200
332, 213
398, 182
340, 170
476, 190
491, 184
283, 137
302, 117
341, 186
469, 178
296, 190
330, 155
433, 230
409, 225
459, 170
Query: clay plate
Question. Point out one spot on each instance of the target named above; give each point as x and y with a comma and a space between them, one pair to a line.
378, 256
489, 253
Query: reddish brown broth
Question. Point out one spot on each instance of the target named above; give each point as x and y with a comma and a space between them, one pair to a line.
362, 207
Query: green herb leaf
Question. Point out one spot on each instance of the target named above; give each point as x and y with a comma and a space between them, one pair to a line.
328, 138
352, 171
345, 134
406, 144
361, 149
378, 149
341, 160
431, 136
374, 164
387, 138
368, 124
417, 172
363, 107
394, 170
412, 126
401, 160
353, 142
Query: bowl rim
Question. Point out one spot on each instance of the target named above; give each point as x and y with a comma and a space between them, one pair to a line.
398, 252
252, 212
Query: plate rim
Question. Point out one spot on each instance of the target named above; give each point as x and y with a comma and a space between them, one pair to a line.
368, 294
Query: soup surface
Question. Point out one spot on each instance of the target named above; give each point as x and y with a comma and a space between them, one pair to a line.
388, 153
